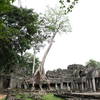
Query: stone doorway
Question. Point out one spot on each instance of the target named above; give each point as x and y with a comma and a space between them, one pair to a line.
52, 85
45, 86
6, 83
36, 86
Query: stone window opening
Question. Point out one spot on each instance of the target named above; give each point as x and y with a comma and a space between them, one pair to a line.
22, 86
6, 83
59, 85
36, 86
30, 86
45, 86
52, 85
65, 84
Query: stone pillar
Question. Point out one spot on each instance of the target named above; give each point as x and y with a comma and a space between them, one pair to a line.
65, 85
87, 84
77, 86
40, 85
49, 86
1, 82
93, 82
72, 85
68, 87
25, 86
12, 83
19, 84
33, 88
91, 85
56, 86
82, 86
62, 85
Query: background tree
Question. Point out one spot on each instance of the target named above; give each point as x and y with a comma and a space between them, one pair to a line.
93, 63
26, 64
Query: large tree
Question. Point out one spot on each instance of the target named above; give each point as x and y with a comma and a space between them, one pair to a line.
54, 21
19, 32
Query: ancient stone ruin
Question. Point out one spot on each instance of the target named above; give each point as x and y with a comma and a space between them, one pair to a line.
76, 78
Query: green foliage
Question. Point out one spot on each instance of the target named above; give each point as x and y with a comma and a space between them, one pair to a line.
27, 62
93, 63
68, 5
19, 27
5, 5
55, 21
51, 97
19, 31
45, 97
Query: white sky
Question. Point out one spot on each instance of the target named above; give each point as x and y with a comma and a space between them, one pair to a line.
83, 43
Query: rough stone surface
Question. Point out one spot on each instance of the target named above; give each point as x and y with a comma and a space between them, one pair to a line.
75, 78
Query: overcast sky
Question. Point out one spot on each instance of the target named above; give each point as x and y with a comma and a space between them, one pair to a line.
83, 43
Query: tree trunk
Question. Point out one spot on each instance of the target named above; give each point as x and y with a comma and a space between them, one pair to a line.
41, 67
33, 61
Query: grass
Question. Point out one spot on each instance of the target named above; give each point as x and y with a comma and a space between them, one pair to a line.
45, 97
51, 97
2, 99
22, 96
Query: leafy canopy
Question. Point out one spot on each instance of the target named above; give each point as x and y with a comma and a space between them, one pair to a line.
20, 30
68, 5
93, 63
55, 21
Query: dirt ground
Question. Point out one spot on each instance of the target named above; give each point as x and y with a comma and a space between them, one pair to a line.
2, 96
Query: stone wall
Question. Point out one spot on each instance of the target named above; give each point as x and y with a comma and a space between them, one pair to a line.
75, 78
63, 78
